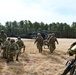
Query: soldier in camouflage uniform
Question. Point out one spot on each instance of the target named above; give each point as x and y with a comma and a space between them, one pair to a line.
4, 48
12, 50
1, 45
20, 44
51, 42
71, 51
3, 36
39, 41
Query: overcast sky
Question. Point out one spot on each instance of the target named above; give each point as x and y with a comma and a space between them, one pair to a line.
46, 11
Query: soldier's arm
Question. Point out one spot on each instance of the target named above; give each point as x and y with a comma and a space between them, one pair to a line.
23, 45
57, 41
24, 48
35, 41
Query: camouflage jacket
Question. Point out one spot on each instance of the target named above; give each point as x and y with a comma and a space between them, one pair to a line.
3, 36
52, 40
20, 43
12, 47
39, 40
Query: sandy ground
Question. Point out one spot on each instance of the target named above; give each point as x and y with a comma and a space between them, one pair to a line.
34, 63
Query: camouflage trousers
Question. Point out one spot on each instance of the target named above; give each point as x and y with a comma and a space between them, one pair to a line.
39, 48
18, 52
4, 52
52, 47
13, 54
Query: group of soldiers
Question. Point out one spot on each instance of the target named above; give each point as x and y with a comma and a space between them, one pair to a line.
10, 48
50, 42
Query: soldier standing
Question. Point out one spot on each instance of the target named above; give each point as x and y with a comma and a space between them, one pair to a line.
39, 41
12, 51
51, 42
20, 44
3, 36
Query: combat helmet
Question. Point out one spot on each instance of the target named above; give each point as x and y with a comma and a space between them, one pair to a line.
2, 31
38, 34
53, 34
19, 37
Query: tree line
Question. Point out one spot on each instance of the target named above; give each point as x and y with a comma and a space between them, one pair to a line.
62, 30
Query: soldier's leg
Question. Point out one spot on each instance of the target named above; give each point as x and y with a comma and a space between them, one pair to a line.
23, 50
17, 56
4, 54
54, 47
11, 58
8, 59
38, 47
68, 68
50, 48
41, 49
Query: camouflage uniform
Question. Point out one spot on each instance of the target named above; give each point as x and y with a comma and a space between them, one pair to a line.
3, 36
20, 44
39, 41
4, 48
1, 44
12, 50
51, 42
71, 52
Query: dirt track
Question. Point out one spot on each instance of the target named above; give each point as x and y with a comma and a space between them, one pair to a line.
34, 63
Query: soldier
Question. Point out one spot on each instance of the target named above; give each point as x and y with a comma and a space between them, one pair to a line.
39, 41
51, 42
12, 51
4, 48
71, 51
1, 46
3, 36
20, 44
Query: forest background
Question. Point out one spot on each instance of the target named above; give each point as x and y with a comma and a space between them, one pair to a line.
62, 30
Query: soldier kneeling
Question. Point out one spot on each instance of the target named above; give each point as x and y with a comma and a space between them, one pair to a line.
12, 51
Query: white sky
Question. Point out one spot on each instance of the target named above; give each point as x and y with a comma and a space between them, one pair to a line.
46, 11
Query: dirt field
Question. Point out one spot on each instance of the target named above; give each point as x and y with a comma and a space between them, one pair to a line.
34, 63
